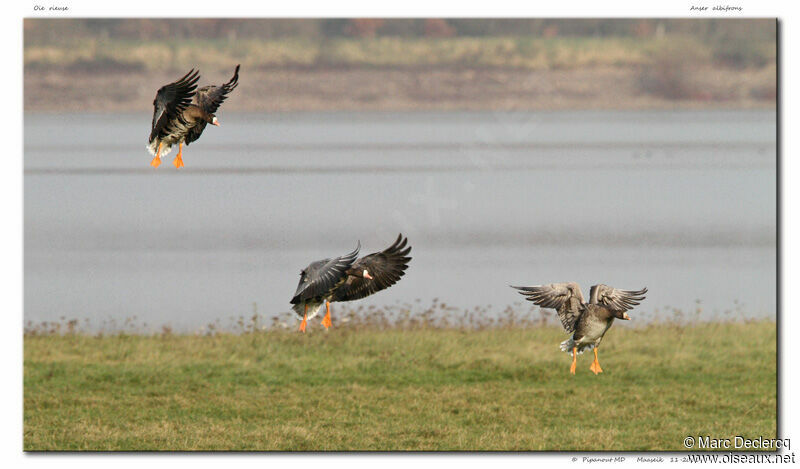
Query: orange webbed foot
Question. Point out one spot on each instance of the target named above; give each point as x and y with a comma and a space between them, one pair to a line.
574, 360
178, 162
595, 367
156, 162
303, 325
326, 321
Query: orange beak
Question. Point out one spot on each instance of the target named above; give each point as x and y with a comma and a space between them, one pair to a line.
367, 276
626, 317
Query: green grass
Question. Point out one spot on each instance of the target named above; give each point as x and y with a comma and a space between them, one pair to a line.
419, 389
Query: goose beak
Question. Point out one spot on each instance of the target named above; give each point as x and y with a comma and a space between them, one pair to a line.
626, 317
215, 122
367, 275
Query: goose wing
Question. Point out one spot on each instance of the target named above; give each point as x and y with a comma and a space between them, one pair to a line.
170, 101
320, 278
209, 98
566, 298
618, 300
385, 267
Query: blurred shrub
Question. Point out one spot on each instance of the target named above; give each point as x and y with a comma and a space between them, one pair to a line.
105, 65
740, 52
643, 28
437, 27
669, 75
363, 27
528, 46
768, 92
550, 31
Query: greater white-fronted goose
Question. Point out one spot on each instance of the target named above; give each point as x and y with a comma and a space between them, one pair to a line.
346, 279
180, 114
587, 321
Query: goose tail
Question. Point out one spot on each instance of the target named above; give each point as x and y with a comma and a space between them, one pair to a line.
570, 343
313, 310
152, 147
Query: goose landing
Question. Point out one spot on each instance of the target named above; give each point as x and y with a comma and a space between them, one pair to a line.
587, 321
346, 279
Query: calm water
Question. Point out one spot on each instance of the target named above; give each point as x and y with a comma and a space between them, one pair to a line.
682, 202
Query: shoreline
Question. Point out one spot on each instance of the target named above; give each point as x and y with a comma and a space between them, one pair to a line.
401, 89
379, 319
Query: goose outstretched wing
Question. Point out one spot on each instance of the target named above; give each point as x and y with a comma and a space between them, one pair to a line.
566, 298
209, 98
320, 278
618, 300
385, 267
170, 102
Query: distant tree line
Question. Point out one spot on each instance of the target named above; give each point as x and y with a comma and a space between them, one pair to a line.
712, 29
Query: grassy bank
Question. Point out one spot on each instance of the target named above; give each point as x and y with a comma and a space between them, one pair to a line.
409, 73
422, 389
532, 53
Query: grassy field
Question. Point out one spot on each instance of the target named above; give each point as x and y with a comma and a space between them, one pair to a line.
399, 389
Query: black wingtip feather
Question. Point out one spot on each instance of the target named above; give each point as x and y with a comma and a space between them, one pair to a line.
234, 81
354, 253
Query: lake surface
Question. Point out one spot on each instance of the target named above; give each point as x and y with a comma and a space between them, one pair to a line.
681, 202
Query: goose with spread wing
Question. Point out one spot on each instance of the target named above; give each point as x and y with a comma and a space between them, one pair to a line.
587, 321
180, 114
346, 279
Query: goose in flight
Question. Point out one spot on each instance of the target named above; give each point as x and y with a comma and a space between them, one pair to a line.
180, 114
587, 321
344, 278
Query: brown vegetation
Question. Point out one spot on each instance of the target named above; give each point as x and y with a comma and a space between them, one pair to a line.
406, 64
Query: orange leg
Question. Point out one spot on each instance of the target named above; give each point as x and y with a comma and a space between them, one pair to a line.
157, 160
596, 364
574, 360
303, 324
326, 321
178, 161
